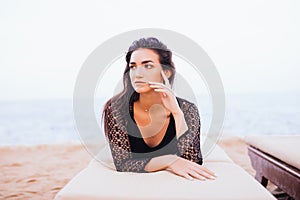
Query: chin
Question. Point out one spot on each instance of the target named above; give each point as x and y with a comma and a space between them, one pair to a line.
142, 90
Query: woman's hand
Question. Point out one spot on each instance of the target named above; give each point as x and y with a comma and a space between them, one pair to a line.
190, 170
167, 95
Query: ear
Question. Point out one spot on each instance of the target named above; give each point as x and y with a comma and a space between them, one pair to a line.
168, 73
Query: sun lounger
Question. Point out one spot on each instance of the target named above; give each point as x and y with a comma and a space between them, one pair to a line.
277, 159
98, 181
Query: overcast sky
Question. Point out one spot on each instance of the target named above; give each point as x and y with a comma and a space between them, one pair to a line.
254, 44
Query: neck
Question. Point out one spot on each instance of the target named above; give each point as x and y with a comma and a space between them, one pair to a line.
148, 99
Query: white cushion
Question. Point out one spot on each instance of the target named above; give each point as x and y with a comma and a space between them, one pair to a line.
99, 181
283, 147
216, 155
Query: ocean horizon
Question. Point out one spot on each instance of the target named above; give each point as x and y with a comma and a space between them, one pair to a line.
32, 122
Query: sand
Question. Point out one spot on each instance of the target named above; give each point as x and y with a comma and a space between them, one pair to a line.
39, 172
237, 150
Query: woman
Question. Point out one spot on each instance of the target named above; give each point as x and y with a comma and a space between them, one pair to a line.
147, 126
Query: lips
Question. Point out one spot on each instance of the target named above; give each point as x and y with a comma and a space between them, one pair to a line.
139, 82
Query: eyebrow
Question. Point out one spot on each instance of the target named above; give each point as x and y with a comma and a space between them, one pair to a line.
143, 62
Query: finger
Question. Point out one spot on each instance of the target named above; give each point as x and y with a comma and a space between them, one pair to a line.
183, 174
165, 78
208, 171
160, 90
157, 86
196, 175
187, 176
205, 174
204, 169
163, 91
156, 83
160, 86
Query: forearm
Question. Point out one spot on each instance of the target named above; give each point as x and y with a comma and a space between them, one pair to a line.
160, 163
180, 123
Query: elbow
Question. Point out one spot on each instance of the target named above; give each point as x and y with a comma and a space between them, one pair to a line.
119, 166
122, 168
119, 169
200, 161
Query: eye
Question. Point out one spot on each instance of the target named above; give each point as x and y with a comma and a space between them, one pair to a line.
132, 67
148, 66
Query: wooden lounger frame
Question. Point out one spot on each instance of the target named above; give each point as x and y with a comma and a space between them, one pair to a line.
267, 167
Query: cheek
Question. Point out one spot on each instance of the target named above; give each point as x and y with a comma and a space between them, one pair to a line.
156, 77
130, 75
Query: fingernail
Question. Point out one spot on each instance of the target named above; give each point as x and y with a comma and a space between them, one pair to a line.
216, 174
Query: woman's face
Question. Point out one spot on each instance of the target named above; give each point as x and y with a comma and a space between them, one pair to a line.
144, 66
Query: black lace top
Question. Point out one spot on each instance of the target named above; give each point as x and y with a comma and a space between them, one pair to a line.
129, 150
141, 149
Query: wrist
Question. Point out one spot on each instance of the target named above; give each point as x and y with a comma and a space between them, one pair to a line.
178, 113
170, 160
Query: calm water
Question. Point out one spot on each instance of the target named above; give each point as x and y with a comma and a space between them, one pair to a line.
51, 121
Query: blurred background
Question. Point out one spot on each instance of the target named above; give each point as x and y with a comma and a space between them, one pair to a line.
254, 44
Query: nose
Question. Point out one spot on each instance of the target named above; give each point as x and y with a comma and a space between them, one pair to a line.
139, 71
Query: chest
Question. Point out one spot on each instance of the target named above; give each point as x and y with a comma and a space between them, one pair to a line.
152, 125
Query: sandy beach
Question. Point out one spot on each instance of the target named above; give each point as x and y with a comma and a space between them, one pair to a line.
39, 172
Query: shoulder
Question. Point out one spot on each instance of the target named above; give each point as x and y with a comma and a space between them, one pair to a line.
110, 109
107, 107
112, 105
184, 103
115, 110
186, 106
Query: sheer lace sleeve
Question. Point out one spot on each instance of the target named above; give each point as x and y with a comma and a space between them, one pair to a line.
118, 139
189, 143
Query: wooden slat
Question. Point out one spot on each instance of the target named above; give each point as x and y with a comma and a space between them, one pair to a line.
279, 173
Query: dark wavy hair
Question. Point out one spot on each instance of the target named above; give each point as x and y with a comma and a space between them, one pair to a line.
121, 100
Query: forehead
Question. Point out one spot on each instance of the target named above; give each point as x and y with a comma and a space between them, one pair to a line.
144, 54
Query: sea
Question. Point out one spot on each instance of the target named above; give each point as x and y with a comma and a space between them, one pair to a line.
32, 122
